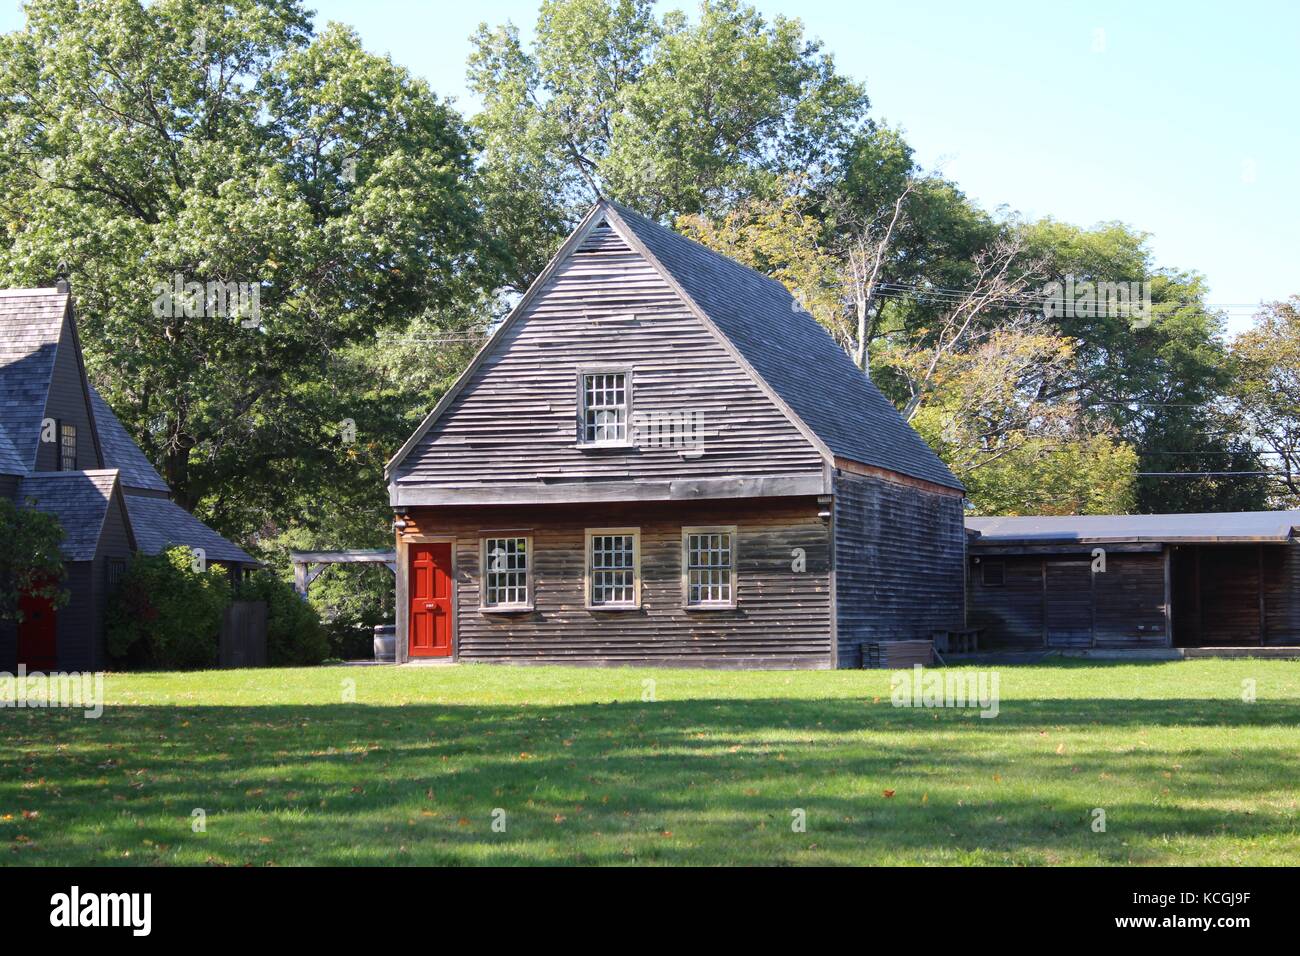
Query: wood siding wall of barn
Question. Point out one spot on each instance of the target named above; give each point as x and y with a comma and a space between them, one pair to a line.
782, 618
899, 557
516, 418
1122, 607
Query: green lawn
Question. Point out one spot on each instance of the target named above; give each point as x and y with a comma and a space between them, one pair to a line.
288, 771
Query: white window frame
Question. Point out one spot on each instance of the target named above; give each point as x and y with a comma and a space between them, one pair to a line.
686, 567
588, 571
626, 372
530, 556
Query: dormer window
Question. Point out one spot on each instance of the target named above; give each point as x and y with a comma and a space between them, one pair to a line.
67, 447
604, 402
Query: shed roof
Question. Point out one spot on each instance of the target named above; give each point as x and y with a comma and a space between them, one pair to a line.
160, 523
1225, 527
79, 499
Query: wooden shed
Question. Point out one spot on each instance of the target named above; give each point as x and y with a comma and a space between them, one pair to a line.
1115, 581
660, 458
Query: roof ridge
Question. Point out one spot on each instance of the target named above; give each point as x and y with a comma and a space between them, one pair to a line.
730, 262
31, 293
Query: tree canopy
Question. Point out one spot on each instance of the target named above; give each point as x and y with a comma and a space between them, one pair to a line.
284, 249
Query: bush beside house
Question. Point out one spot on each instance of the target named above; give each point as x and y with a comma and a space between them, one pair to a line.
295, 636
168, 614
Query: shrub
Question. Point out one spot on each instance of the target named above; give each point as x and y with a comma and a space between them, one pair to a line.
30, 562
165, 613
294, 633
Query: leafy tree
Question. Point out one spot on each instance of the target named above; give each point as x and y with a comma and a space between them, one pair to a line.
1266, 391
1161, 385
670, 115
30, 562
227, 143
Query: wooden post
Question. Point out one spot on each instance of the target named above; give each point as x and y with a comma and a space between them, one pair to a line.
1169, 591
1263, 617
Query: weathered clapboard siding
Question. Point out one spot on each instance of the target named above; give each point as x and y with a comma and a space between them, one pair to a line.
782, 618
1056, 600
1010, 613
515, 420
899, 558
1129, 601
1282, 594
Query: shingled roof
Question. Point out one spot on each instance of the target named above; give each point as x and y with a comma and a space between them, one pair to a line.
160, 523
120, 450
784, 348
30, 320
791, 352
79, 499
1238, 526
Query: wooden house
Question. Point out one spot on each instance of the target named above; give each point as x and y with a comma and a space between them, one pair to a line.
659, 457
62, 451
1133, 581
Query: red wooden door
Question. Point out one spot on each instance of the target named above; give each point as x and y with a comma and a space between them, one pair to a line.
430, 623
37, 644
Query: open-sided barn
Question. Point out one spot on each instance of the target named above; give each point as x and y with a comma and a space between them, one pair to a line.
1115, 581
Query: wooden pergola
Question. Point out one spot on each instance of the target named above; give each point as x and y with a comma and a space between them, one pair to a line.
309, 565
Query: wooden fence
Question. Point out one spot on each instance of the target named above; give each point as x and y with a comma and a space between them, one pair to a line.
243, 635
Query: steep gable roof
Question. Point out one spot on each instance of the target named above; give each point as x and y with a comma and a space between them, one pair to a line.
79, 499
121, 451
791, 351
31, 321
785, 350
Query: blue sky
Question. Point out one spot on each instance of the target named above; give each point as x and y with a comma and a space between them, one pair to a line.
1179, 118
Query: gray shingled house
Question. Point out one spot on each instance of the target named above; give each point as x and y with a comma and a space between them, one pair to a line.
62, 451
658, 457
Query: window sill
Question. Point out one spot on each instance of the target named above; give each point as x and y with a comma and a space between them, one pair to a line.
507, 609
604, 446
709, 607
613, 607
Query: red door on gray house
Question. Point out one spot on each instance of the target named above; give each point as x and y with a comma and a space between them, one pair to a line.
431, 614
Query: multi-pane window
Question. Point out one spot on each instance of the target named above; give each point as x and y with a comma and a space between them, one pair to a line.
505, 572
709, 564
67, 447
612, 566
604, 407
116, 571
